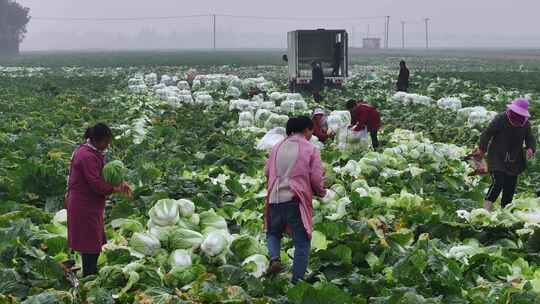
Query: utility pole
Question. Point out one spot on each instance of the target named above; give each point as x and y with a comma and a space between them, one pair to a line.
214, 33
427, 32
402, 34
352, 36
387, 31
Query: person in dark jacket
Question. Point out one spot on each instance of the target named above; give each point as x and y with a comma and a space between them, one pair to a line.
337, 59
365, 116
504, 142
317, 80
403, 78
86, 195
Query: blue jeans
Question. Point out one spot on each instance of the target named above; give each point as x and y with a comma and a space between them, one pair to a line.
280, 215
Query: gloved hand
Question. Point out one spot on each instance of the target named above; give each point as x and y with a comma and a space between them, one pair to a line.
478, 152
124, 188
530, 153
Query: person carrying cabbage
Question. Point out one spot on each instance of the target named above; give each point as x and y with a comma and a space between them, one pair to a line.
509, 142
365, 116
320, 128
86, 194
294, 171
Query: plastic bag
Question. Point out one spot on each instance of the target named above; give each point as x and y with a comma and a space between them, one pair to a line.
338, 119
245, 119
357, 136
271, 138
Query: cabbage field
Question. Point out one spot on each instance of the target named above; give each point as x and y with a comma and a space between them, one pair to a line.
404, 223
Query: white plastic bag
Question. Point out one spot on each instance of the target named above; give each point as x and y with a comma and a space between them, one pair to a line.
357, 136
338, 120
245, 119
271, 138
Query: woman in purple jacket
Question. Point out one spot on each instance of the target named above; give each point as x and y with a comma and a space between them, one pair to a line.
86, 195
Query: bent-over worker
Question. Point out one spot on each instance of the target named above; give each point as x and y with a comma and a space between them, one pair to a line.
320, 127
365, 116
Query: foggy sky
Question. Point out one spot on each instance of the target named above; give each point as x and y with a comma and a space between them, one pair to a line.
455, 23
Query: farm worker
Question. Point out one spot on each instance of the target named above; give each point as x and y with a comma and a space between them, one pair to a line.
317, 80
365, 116
294, 172
86, 194
503, 140
190, 76
403, 78
337, 59
320, 128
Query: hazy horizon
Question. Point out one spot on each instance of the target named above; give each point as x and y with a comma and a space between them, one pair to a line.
456, 24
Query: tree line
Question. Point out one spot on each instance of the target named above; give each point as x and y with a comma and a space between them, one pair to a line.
13, 20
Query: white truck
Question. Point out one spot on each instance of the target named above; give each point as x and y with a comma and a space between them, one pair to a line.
329, 48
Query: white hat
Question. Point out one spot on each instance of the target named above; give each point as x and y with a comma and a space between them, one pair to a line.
318, 111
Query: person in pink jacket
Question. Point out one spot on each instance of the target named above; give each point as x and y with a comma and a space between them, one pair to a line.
294, 172
86, 195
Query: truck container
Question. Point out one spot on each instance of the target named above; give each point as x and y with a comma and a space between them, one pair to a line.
327, 47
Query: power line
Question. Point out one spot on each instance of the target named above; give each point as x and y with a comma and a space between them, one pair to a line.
199, 16
118, 18
303, 18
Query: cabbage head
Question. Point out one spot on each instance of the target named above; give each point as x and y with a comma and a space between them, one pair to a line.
60, 217
186, 207
210, 219
180, 259
215, 243
256, 265
179, 277
114, 172
184, 239
339, 190
245, 246
165, 212
127, 225
145, 243
195, 219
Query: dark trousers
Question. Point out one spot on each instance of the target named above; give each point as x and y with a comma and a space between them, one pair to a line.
402, 88
502, 182
280, 216
317, 96
374, 139
316, 91
89, 263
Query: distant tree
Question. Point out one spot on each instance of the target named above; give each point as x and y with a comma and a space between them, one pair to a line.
13, 20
